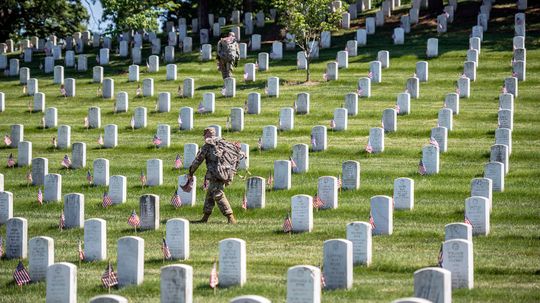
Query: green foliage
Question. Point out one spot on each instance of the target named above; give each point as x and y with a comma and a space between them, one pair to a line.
41, 18
306, 20
134, 14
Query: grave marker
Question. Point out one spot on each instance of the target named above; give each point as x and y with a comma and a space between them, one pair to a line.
130, 261
62, 283
41, 256
95, 240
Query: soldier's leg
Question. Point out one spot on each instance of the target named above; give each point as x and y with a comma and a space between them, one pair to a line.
209, 203
223, 69
216, 189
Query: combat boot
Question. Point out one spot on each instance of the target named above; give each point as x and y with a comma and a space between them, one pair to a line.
204, 219
231, 219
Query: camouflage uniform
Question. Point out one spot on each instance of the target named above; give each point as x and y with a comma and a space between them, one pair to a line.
226, 67
215, 193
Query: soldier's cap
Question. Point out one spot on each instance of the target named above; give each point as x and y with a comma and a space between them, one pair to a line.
209, 132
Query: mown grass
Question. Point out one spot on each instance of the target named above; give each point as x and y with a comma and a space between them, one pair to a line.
506, 261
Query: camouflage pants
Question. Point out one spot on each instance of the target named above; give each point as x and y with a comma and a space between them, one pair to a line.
226, 68
214, 195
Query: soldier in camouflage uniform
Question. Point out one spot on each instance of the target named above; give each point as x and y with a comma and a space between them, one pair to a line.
227, 58
214, 193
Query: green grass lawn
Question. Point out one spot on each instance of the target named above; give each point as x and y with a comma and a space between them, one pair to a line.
506, 263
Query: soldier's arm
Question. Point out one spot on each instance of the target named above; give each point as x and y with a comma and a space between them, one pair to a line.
201, 155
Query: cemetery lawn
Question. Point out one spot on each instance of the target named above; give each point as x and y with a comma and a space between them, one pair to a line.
506, 262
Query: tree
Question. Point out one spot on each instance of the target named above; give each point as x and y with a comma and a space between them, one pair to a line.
41, 18
134, 14
306, 20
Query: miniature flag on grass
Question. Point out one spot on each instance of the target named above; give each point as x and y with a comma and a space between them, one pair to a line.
62, 222
372, 221
133, 219
244, 202
156, 140
175, 200
7, 140
81, 251
1, 247
287, 224
10, 161
369, 148
421, 168
142, 178
178, 162
89, 177
165, 250
317, 202
214, 279
108, 278
107, 201
434, 142
53, 142
66, 162
293, 163
20, 275
100, 140
467, 221
40, 196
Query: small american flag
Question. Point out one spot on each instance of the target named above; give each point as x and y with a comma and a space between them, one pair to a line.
382, 124
323, 280
86, 123
66, 162
138, 92
421, 168
10, 161
214, 279
467, 221
133, 219
201, 108
223, 91
359, 91
270, 180
100, 140
440, 257
156, 140
62, 222
81, 251
504, 90
107, 201
7, 140
266, 90
332, 123
313, 141
53, 142
293, 163
295, 106
175, 200
165, 250
397, 108
245, 76
178, 162
369, 148
339, 181
370, 75
287, 224
20, 275
325, 76
63, 92
40, 196
108, 278
458, 91
372, 221
244, 202
132, 122
89, 177
259, 144
1, 247
434, 142
317, 202
142, 178
29, 178
514, 74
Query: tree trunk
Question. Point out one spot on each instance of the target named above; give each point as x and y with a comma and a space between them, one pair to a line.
308, 74
202, 14
247, 5
435, 7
